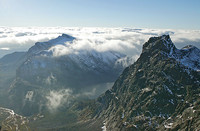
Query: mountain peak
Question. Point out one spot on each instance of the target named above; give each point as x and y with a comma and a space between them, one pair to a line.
189, 56
161, 43
67, 36
154, 39
61, 39
40, 46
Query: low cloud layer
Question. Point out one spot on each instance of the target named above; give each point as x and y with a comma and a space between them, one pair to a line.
125, 40
59, 98
56, 99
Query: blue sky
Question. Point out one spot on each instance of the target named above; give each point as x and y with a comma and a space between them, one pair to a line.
171, 14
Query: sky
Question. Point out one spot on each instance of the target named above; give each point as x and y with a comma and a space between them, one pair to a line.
170, 14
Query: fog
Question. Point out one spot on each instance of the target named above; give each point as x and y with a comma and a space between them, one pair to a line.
56, 99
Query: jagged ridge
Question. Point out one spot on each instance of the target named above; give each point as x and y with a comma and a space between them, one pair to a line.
156, 91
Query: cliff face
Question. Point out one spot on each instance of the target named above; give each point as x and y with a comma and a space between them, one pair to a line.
161, 90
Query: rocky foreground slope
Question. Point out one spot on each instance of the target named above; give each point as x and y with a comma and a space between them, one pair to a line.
160, 91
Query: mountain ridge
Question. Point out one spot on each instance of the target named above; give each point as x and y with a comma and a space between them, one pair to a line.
155, 93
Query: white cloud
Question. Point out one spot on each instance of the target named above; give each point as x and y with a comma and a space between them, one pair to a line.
56, 99
124, 40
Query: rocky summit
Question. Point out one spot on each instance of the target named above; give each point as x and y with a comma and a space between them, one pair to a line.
160, 91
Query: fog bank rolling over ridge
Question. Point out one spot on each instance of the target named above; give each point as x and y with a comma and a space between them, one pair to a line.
128, 41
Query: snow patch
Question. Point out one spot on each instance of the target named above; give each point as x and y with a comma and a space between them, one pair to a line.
147, 89
103, 127
29, 95
50, 79
122, 115
169, 125
167, 89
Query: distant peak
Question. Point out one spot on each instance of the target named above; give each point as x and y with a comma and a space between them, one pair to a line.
41, 46
67, 36
63, 37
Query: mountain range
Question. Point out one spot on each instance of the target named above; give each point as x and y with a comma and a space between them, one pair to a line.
160, 91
